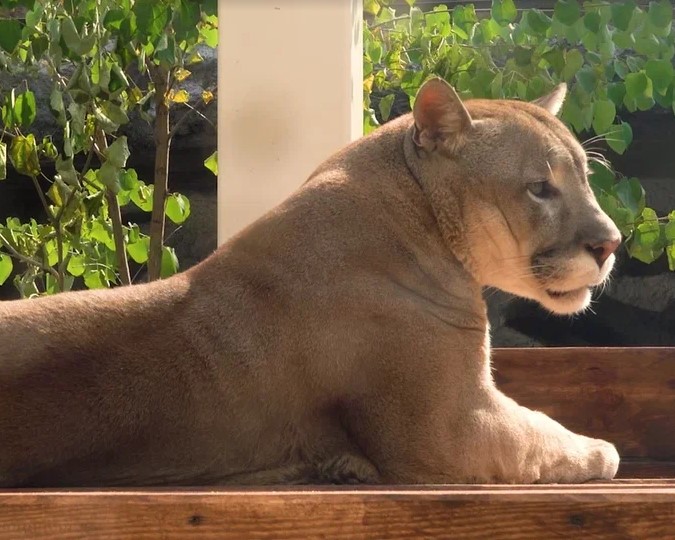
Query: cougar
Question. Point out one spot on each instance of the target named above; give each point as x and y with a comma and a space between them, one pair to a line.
340, 338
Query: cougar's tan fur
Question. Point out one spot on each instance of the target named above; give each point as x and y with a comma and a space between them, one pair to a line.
340, 338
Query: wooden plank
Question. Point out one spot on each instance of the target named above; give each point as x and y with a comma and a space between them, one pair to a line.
645, 469
621, 511
624, 395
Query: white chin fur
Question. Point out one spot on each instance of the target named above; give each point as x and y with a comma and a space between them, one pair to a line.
567, 304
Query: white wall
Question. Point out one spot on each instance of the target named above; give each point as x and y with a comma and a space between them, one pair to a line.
289, 95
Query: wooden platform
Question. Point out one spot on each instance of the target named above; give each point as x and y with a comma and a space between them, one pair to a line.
624, 395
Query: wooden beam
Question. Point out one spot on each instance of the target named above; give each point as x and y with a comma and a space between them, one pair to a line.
624, 395
602, 511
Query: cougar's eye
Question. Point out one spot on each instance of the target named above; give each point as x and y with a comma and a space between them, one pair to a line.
541, 190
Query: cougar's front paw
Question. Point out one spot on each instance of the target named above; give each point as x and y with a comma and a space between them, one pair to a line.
603, 460
583, 460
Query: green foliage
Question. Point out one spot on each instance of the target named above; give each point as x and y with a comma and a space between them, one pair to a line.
211, 163
614, 56
104, 59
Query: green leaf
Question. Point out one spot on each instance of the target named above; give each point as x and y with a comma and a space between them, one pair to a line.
186, 21
385, 106
57, 107
209, 35
649, 229
142, 197
624, 40
211, 163
464, 17
638, 84
10, 34
152, 18
3, 160
601, 176
661, 73
619, 137
641, 251
374, 51
647, 243
113, 19
631, 194
23, 154
372, 7
573, 62
588, 79
438, 20
489, 29
139, 250
522, 56
94, 279
70, 34
76, 265
118, 152
669, 233
116, 113
538, 21
616, 92
177, 208
81, 46
556, 58
109, 176
622, 13
129, 180
25, 108
110, 116
604, 113
169, 265
166, 51
661, 13
614, 209
6, 267
66, 171
504, 11
567, 11
670, 252
102, 233
669, 229
592, 21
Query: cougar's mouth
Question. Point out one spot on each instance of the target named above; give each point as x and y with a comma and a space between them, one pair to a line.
559, 295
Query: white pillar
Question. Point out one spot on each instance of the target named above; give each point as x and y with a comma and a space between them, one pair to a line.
289, 95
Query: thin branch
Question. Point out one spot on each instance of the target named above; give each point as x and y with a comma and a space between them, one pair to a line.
25, 259
161, 80
43, 200
115, 216
193, 109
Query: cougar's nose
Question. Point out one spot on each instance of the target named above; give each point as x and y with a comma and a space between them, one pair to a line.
602, 250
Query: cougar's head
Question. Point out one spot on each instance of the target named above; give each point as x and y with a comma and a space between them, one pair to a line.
509, 184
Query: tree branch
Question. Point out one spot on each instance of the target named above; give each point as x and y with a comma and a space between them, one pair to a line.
192, 109
161, 79
116, 218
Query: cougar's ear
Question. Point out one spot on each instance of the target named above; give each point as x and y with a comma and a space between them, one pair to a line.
553, 101
440, 116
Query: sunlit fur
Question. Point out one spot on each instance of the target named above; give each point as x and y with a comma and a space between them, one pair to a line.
517, 243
